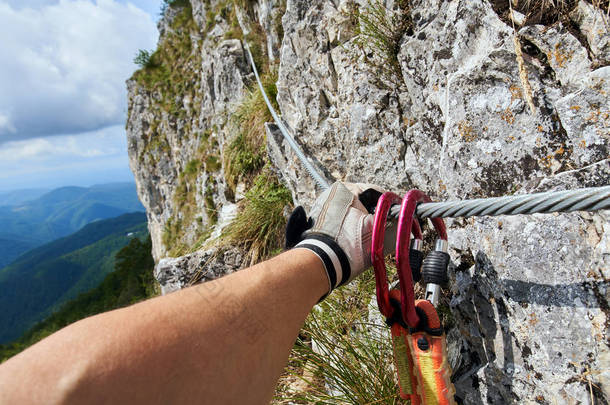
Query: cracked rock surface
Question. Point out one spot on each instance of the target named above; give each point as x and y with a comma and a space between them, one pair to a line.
528, 294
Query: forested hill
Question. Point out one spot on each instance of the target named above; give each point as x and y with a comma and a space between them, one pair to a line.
58, 213
44, 278
132, 280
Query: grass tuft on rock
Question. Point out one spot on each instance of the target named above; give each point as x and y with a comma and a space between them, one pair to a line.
341, 356
259, 225
245, 154
381, 30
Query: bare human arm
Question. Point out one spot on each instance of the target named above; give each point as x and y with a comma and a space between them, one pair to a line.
222, 342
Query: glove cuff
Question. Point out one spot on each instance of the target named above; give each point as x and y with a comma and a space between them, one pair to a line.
332, 256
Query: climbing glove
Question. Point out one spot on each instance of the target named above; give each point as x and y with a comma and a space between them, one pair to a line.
338, 230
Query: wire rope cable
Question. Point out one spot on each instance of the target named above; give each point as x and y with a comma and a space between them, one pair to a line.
313, 172
584, 199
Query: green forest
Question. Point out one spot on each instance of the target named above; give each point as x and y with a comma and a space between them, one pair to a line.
131, 281
43, 279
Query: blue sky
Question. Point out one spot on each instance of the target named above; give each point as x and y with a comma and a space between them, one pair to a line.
62, 88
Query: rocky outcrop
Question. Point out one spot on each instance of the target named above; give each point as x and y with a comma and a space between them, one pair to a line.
174, 274
187, 121
529, 294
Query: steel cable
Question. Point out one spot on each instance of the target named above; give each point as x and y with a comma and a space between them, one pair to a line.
313, 172
585, 199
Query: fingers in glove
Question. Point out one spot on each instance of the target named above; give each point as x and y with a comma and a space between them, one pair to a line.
297, 224
369, 198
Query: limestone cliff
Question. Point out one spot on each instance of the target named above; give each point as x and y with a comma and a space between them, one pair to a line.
442, 102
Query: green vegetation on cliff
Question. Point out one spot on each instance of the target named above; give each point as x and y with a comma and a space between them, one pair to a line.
259, 225
170, 74
170, 69
245, 154
381, 30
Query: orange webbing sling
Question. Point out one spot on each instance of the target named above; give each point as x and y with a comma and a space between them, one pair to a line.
428, 348
418, 340
403, 360
420, 357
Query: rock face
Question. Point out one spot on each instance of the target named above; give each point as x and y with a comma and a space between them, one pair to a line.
163, 140
174, 274
529, 294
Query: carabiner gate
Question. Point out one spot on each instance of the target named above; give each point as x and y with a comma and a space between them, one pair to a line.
422, 382
403, 247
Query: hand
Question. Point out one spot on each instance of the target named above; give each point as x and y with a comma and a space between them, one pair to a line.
339, 230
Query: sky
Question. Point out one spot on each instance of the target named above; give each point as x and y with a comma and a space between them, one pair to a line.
63, 101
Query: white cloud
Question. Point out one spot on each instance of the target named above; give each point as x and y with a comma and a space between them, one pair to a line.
105, 142
5, 124
95, 157
64, 64
45, 148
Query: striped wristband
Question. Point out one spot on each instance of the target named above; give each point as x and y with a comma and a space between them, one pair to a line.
332, 256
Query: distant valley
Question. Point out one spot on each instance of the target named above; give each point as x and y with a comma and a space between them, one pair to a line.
43, 279
25, 225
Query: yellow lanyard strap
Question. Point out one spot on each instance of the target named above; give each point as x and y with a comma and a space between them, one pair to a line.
420, 356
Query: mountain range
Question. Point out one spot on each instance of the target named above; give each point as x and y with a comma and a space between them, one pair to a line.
57, 213
41, 280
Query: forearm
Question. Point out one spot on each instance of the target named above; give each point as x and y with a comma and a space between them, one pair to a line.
221, 342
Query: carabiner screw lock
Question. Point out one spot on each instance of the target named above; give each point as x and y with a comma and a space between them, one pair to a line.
434, 271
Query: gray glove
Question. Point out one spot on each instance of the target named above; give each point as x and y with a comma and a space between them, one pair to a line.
339, 230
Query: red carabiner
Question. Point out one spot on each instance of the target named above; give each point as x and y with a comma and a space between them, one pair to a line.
377, 257
403, 245
420, 382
